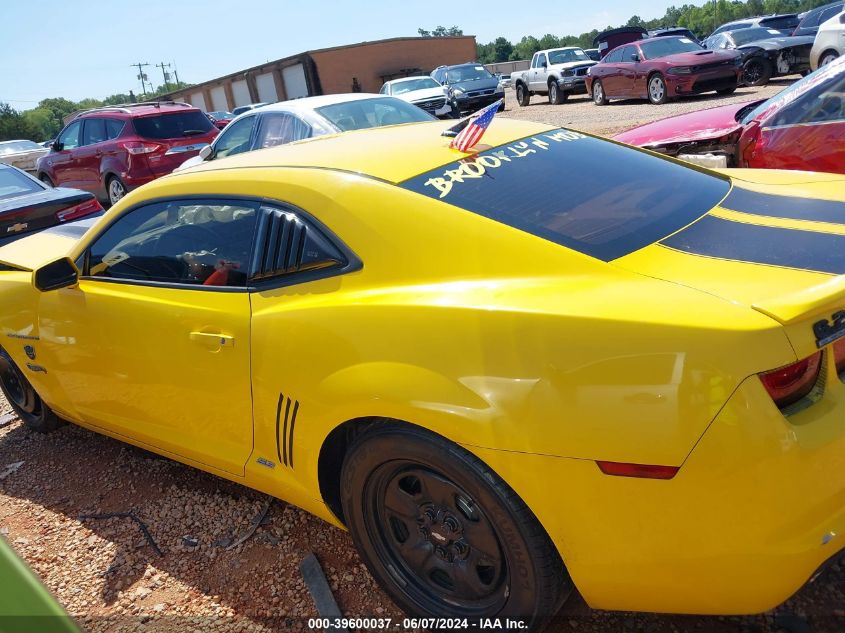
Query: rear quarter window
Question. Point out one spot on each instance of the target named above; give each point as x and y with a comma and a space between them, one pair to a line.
593, 196
172, 125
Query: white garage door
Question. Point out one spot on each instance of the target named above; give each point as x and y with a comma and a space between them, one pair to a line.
295, 84
197, 99
241, 93
218, 98
266, 88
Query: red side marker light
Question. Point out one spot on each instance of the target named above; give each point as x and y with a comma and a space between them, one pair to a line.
643, 471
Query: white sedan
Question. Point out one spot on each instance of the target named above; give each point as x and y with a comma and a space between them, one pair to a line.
21, 154
299, 119
423, 92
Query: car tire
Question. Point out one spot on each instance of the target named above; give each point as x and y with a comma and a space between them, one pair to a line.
727, 91
23, 399
827, 57
599, 97
115, 189
46, 180
443, 534
556, 95
756, 72
658, 94
523, 97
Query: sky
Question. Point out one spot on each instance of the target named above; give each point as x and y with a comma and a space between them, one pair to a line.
86, 48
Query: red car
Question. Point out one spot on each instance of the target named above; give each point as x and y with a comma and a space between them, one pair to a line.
220, 118
660, 68
802, 127
112, 150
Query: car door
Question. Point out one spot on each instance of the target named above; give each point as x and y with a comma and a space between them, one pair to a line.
154, 342
90, 153
808, 134
627, 72
610, 69
538, 73
62, 163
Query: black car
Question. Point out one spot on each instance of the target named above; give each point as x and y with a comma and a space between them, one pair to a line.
674, 31
814, 18
28, 205
783, 22
471, 86
765, 53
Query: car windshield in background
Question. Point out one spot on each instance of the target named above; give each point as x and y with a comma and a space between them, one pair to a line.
172, 125
746, 36
222, 115
364, 113
14, 184
618, 200
416, 84
13, 147
565, 57
467, 73
669, 46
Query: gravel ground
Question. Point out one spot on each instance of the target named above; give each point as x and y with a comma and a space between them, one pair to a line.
110, 578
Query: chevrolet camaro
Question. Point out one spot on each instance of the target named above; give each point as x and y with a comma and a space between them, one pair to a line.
635, 389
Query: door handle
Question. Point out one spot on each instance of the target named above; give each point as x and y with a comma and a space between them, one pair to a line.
212, 340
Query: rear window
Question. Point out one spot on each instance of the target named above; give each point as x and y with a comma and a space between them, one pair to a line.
788, 22
13, 183
173, 124
594, 196
377, 112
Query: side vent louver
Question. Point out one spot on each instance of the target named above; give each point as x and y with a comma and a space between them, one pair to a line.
285, 428
286, 244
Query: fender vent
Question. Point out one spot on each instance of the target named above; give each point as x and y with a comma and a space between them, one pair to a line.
285, 423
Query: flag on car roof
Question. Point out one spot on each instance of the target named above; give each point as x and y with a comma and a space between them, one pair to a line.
469, 137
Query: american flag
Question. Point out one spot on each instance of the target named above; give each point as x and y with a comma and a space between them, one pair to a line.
478, 124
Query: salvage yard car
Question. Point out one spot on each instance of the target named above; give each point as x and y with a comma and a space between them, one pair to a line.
21, 154
412, 342
661, 68
556, 72
470, 87
766, 53
829, 43
802, 127
423, 92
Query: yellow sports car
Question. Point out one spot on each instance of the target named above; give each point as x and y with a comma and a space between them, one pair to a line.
556, 361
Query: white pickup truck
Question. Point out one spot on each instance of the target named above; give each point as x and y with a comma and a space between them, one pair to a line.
556, 72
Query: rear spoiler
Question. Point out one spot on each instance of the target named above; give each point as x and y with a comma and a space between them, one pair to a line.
803, 304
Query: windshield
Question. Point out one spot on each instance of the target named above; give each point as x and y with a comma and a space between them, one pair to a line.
745, 36
467, 73
221, 114
13, 184
669, 46
13, 147
567, 56
410, 85
625, 200
365, 113
173, 125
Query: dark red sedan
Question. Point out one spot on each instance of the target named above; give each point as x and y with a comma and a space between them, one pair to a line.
661, 68
801, 127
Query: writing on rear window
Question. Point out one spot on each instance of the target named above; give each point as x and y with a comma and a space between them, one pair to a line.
477, 167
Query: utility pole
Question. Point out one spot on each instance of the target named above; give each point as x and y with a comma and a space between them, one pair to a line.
164, 74
176, 74
142, 76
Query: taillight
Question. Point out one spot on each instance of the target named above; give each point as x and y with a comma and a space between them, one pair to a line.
78, 211
789, 384
137, 147
839, 356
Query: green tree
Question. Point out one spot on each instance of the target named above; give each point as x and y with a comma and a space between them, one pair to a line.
15, 126
441, 31
502, 49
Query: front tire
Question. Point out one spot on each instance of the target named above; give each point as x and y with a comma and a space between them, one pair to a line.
46, 180
827, 57
556, 95
443, 534
599, 97
523, 97
657, 92
24, 400
757, 72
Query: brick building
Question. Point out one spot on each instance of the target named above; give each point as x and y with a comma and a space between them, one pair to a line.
360, 67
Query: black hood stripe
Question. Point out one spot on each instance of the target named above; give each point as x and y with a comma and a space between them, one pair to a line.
773, 246
788, 207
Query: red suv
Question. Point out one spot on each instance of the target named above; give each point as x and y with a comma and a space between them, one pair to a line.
109, 151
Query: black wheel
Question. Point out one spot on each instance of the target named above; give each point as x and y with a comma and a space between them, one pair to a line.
443, 534
115, 188
756, 72
727, 91
827, 57
523, 98
599, 97
46, 180
556, 95
657, 92
23, 399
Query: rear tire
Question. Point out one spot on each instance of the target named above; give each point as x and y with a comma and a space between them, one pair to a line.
115, 189
46, 180
443, 534
599, 97
827, 57
23, 399
757, 72
523, 97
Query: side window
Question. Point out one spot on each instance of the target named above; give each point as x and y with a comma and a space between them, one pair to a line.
824, 103
627, 54
280, 128
614, 57
195, 242
541, 59
827, 14
235, 138
70, 137
113, 128
535, 61
93, 131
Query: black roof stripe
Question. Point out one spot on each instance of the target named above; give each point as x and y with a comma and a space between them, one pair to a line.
788, 207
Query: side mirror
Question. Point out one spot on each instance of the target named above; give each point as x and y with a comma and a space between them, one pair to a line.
635, 57
206, 152
61, 273
544, 64
57, 146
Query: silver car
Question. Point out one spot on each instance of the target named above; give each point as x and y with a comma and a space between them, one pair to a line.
21, 154
829, 43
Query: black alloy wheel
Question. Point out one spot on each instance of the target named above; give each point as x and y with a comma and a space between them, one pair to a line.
24, 400
756, 72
